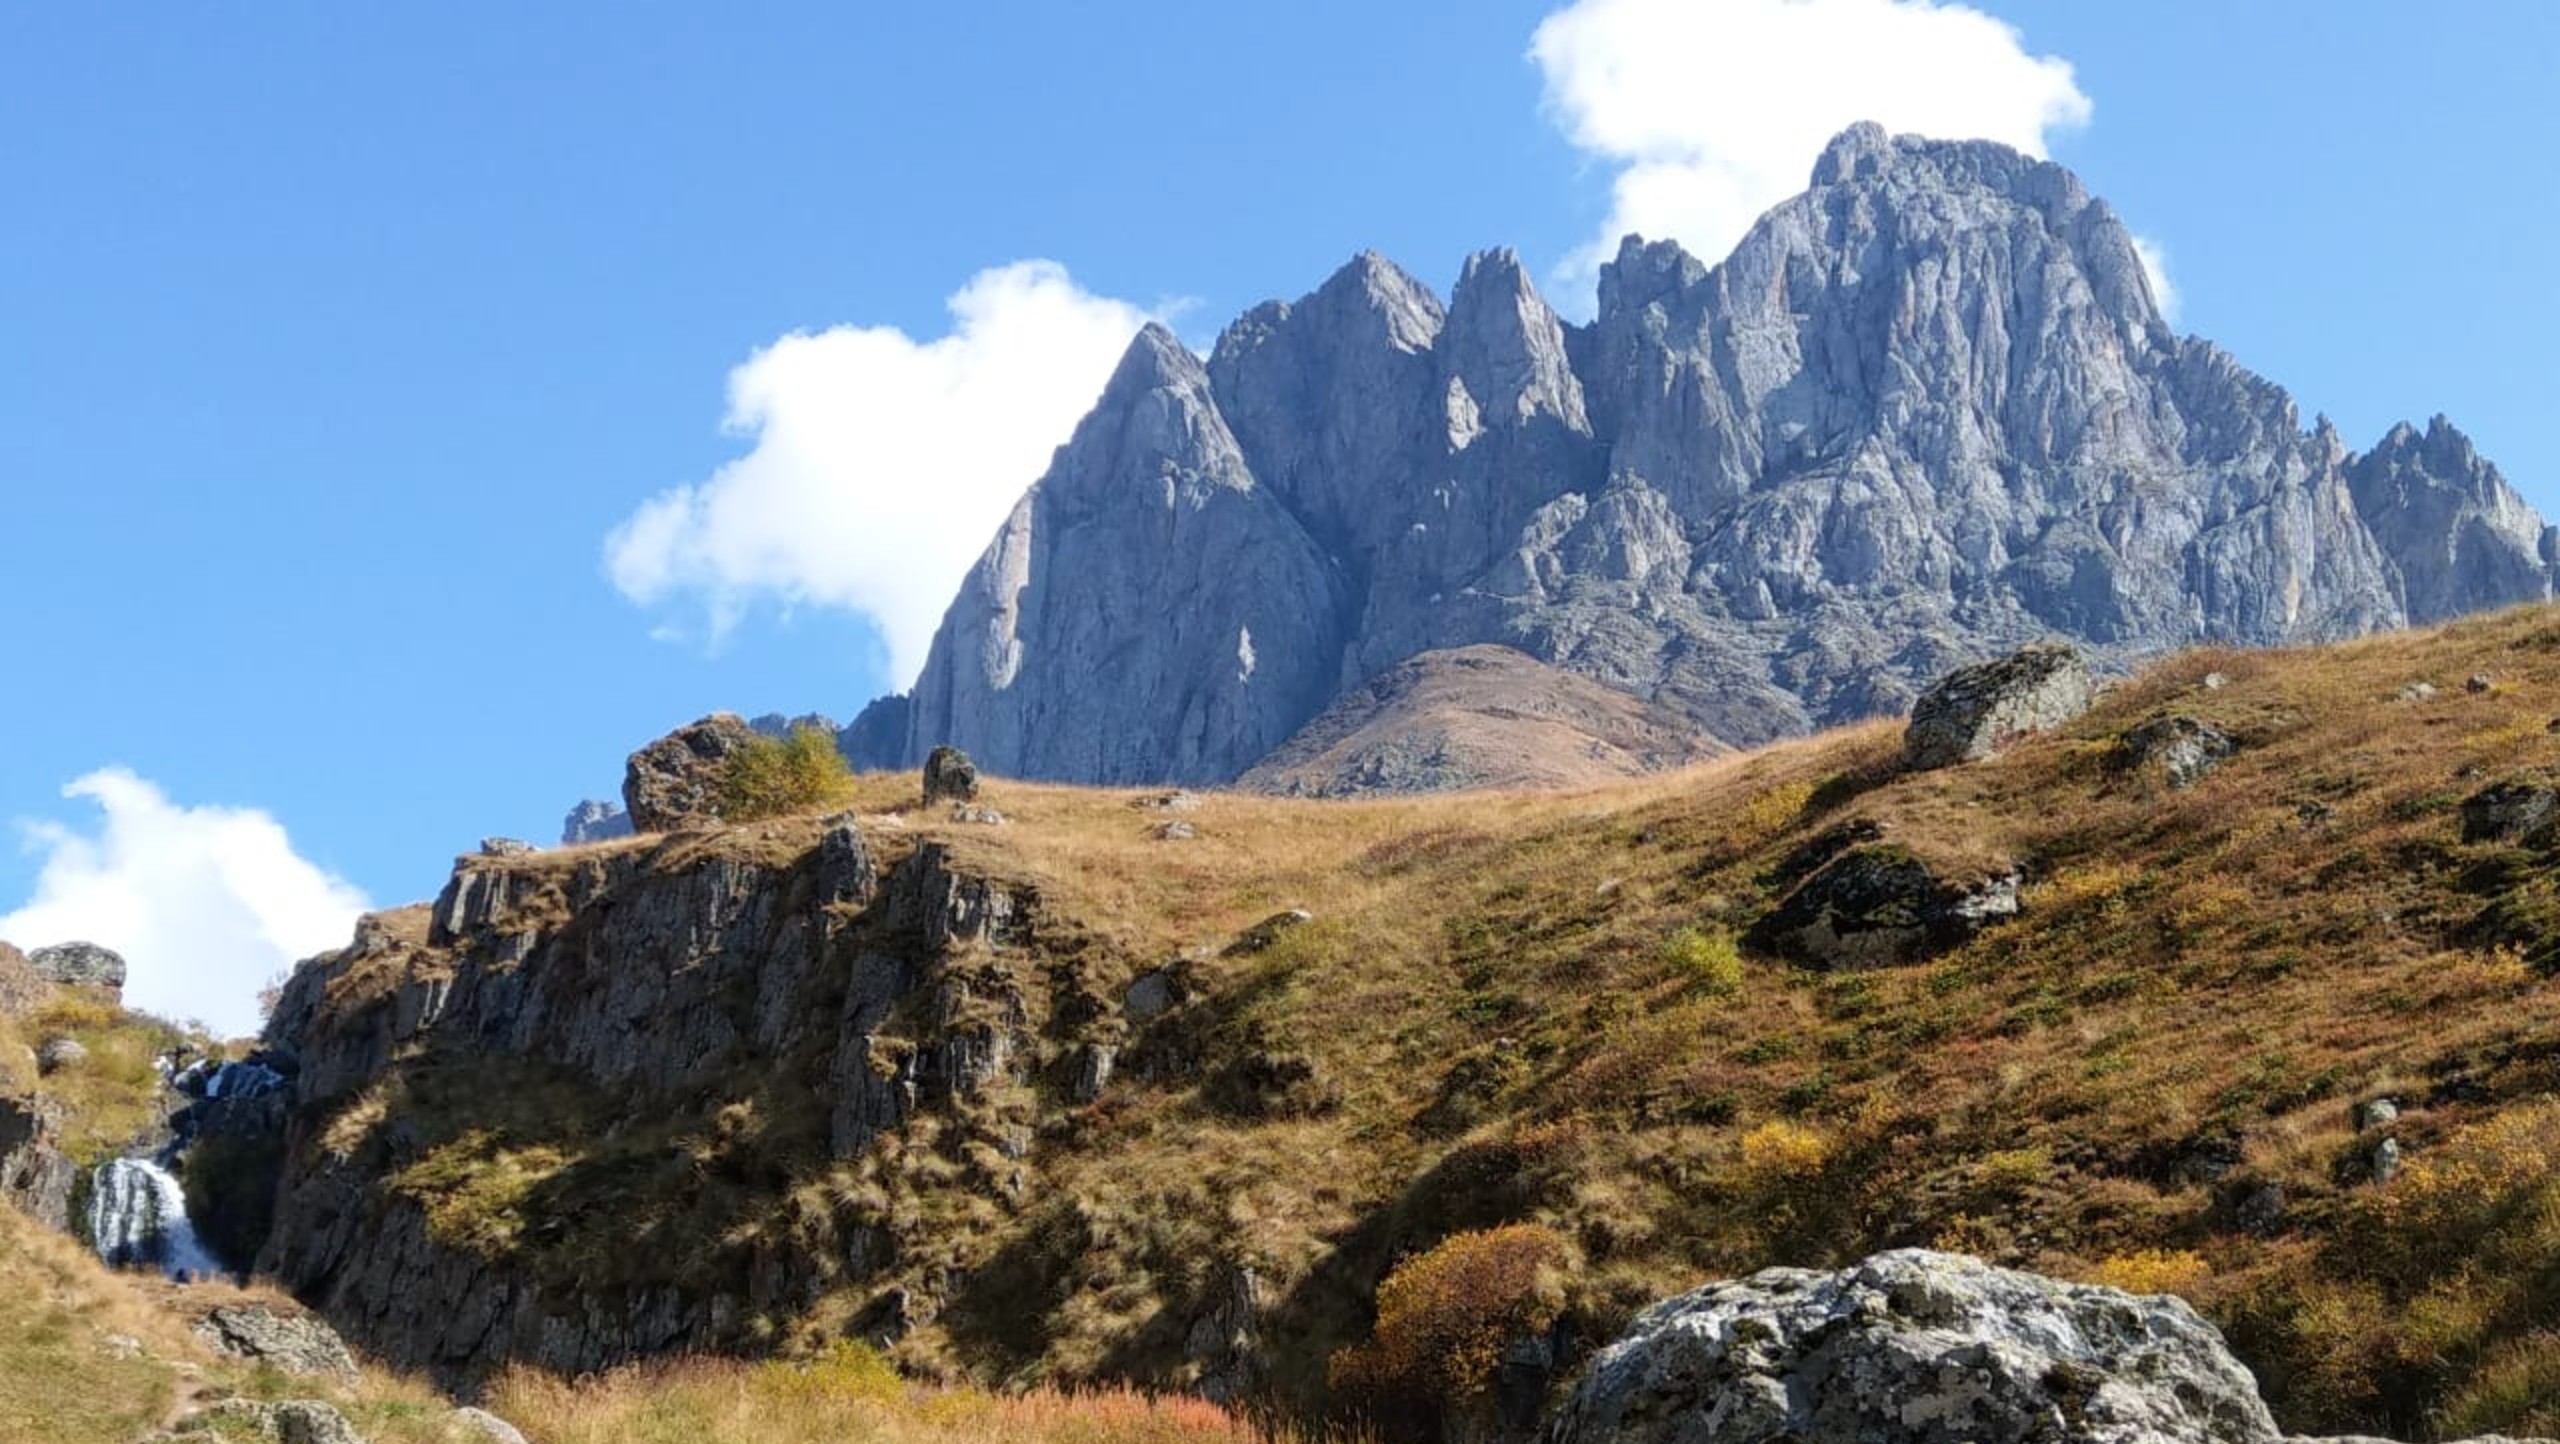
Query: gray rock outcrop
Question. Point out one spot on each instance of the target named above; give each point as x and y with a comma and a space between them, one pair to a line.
1914, 1347
1880, 906
2511, 811
2180, 749
80, 965
1975, 711
594, 821
1926, 412
36, 1176
675, 781
949, 776
298, 1345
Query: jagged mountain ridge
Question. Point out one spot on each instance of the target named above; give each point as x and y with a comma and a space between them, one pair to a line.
1926, 410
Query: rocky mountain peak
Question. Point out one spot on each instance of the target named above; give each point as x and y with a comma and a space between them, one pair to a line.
1926, 412
1506, 354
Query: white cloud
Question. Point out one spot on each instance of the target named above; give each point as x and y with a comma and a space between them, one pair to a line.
1715, 110
2155, 267
881, 465
205, 903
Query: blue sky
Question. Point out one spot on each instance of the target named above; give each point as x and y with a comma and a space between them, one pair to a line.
336, 342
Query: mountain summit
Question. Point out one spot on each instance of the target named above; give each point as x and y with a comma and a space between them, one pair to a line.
1926, 410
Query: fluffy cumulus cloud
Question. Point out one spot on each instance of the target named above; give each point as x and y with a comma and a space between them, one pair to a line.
205, 903
879, 465
1712, 111
2155, 266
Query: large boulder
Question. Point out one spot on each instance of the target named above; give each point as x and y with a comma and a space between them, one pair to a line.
79, 965
1880, 906
675, 781
297, 1344
949, 776
1915, 1347
1975, 711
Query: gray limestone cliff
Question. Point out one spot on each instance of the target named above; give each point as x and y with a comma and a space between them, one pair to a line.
1927, 411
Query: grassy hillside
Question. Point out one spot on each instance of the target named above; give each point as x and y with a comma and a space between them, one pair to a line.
88, 1356
1532, 1010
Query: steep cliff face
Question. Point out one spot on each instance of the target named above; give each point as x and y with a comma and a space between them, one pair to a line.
553, 1118
1926, 410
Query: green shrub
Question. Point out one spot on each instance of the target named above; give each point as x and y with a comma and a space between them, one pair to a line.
778, 776
1708, 958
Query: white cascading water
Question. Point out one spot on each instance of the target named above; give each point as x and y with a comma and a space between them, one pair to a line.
138, 1215
242, 1080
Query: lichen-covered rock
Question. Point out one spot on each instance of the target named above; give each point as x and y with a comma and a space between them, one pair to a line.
298, 1345
1880, 906
2511, 812
2181, 749
1915, 1347
505, 847
56, 1054
949, 776
675, 781
1975, 711
79, 965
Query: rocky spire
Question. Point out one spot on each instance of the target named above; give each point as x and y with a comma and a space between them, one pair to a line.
2459, 536
1148, 612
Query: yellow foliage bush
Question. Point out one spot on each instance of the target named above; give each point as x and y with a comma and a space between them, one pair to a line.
848, 1372
1770, 812
775, 777
2154, 1271
1707, 957
1444, 1317
1782, 1153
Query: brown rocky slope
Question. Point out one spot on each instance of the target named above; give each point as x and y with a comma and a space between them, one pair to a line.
1472, 718
1040, 1102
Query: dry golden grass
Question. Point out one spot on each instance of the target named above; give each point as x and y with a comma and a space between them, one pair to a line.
850, 1397
2202, 983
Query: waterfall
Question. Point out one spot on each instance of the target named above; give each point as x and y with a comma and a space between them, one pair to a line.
138, 1215
242, 1080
